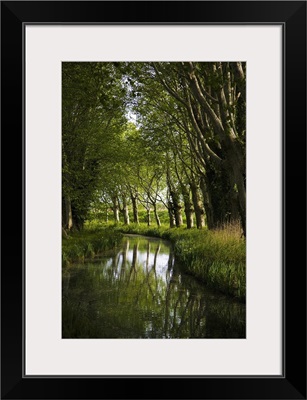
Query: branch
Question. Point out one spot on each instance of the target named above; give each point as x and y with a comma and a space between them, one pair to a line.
168, 88
203, 101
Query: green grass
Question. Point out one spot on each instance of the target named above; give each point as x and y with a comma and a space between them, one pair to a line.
79, 246
163, 215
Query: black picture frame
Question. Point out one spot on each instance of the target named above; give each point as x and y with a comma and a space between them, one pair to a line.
292, 383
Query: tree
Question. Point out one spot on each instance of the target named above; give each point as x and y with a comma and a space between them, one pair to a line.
93, 109
185, 151
211, 92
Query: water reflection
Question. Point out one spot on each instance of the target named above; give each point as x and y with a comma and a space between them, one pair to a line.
138, 291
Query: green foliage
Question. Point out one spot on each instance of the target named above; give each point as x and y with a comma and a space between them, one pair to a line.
186, 113
92, 113
80, 246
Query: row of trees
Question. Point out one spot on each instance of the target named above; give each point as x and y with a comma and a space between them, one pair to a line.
186, 150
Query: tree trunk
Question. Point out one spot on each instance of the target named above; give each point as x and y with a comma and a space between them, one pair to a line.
205, 189
174, 200
115, 209
172, 222
77, 221
126, 212
156, 215
134, 201
176, 208
241, 197
234, 160
235, 214
148, 216
67, 221
188, 207
189, 217
198, 206
178, 216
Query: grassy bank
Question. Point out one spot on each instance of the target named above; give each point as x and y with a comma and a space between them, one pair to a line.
217, 258
79, 246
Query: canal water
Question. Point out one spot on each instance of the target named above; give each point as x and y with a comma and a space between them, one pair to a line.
139, 291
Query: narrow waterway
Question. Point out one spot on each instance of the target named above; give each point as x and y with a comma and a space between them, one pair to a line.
139, 291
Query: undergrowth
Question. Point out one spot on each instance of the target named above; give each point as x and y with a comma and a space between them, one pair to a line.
79, 246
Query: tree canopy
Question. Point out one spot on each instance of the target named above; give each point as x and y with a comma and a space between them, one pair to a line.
156, 135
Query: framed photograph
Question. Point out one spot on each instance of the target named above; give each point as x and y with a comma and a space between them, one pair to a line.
159, 200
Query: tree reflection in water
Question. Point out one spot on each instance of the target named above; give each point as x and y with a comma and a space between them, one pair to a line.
138, 291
